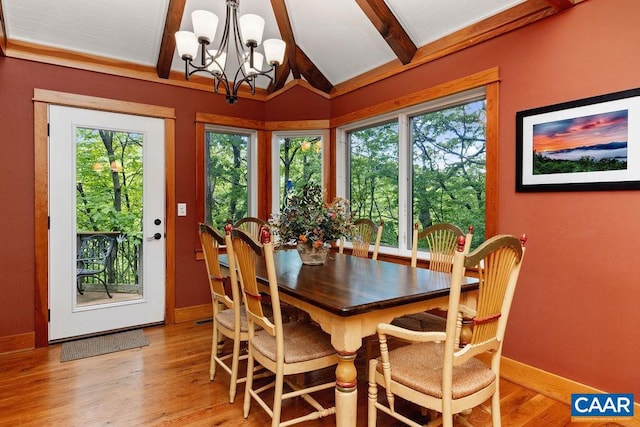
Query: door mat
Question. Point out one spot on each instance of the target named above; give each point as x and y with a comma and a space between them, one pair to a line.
104, 344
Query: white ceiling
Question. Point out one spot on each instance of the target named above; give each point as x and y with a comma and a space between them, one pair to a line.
336, 35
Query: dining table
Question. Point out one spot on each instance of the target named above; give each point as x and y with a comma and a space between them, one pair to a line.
349, 296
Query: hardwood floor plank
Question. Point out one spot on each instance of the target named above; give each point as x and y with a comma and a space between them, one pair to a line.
167, 383
531, 409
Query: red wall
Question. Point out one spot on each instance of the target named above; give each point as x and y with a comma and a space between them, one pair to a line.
574, 312
574, 309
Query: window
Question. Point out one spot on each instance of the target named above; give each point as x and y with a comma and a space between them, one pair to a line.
229, 181
448, 173
297, 160
373, 183
425, 164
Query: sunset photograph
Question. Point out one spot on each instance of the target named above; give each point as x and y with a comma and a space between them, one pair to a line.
581, 144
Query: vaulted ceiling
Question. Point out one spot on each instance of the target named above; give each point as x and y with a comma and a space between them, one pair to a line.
333, 46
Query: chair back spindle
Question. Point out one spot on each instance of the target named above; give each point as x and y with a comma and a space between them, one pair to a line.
364, 232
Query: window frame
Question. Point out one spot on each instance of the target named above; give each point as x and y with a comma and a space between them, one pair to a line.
275, 160
206, 121
252, 164
403, 116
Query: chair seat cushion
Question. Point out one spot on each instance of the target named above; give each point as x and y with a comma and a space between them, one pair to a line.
421, 322
302, 341
225, 319
419, 366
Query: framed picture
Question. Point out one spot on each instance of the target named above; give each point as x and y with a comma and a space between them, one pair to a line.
588, 144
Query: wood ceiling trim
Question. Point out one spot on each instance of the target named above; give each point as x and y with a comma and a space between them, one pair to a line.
99, 64
168, 46
504, 22
84, 61
299, 82
509, 20
389, 28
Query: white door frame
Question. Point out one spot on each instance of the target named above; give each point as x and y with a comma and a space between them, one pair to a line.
42, 99
67, 318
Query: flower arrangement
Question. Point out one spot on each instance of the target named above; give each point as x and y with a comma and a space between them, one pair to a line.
307, 219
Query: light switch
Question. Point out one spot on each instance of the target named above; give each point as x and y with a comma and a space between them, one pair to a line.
182, 209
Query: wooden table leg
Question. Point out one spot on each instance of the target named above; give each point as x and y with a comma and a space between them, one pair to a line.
346, 390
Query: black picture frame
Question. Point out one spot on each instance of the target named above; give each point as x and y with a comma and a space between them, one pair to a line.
583, 145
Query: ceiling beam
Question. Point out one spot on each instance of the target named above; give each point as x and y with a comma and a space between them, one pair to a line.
168, 46
3, 34
311, 73
390, 28
286, 32
298, 62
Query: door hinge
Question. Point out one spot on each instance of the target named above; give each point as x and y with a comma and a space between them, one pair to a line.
48, 315
48, 129
48, 223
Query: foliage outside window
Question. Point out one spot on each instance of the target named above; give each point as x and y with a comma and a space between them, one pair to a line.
299, 163
228, 193
109, 192
449, 154
421, 165
374, 177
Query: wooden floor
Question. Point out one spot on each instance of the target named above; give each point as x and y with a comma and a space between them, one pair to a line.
167, 383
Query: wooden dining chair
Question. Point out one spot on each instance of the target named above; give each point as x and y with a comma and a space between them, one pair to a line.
286, 349
229, 318
251, 225
433, 372
363, 234
441, 241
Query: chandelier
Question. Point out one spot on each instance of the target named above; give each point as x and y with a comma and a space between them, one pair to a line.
245, 31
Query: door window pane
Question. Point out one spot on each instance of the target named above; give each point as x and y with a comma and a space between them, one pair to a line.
109, 191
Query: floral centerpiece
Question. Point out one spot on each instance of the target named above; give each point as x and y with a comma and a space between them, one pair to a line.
311, 224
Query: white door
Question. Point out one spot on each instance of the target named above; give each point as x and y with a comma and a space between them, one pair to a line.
106, 177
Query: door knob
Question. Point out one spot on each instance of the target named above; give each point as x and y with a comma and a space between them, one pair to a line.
156, 236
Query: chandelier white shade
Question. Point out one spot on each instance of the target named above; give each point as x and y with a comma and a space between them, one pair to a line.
205, 24
244, 32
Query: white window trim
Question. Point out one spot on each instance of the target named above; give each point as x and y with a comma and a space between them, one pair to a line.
252, 162
403, 116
